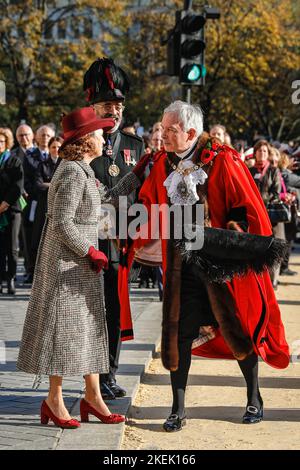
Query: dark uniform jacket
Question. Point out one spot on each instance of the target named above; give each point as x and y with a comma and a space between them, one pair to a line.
131, 148
43, 174
11, 182
30, 164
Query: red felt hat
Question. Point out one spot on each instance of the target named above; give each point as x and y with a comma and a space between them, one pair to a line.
81, 122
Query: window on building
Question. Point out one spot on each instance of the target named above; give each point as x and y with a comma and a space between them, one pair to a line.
61, 29
48, 30
75, 27
88, 27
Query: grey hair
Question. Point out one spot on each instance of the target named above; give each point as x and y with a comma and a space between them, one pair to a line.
189, 115
24, 125
45, 126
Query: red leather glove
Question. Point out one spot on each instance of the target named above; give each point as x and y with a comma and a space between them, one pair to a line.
140, 167
98, 259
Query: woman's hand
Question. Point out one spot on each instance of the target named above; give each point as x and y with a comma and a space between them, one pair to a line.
98, 259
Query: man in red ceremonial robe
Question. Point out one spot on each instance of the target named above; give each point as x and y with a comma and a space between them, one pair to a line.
238, 318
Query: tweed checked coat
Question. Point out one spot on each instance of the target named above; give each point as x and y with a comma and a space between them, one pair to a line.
65, 327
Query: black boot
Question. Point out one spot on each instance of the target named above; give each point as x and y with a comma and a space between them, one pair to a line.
11, 290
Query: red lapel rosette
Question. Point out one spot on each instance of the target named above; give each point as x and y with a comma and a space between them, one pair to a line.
209, 152
207, 155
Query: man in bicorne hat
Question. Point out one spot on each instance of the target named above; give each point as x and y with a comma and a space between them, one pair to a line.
106, 86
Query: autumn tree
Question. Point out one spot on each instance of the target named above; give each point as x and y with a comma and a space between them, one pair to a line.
252, 57
144, 57
45, 48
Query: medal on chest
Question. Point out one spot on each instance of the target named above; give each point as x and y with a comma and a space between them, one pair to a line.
108, 149
113, 170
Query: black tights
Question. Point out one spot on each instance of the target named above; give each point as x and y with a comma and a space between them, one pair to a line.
179, 378
248, 366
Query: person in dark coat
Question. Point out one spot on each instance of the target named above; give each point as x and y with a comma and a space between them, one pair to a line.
11, 186
106, 86
43, 178
268, 182
30, 165
24, 135
291, 197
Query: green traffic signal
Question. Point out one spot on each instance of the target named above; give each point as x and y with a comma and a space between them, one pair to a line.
192, 73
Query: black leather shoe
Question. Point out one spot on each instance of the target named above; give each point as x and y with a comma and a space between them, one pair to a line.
174, 423
117, 390
106, 392
288, 272
11, 290
253, 414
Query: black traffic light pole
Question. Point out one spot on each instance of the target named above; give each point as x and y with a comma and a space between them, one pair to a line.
187, 6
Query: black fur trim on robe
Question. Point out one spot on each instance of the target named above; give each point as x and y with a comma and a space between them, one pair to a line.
228, 253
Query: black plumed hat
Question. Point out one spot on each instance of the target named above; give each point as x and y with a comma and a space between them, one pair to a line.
105, 81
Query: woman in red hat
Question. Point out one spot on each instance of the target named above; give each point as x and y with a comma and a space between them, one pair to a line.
65, 330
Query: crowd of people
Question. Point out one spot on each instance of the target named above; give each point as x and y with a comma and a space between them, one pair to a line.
51, 187
275, 168
28, 162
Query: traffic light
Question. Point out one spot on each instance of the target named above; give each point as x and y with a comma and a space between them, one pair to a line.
186, 44
192, 69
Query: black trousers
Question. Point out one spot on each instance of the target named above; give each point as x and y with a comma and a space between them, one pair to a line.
112, 306
9, 245
195, 311
26, 231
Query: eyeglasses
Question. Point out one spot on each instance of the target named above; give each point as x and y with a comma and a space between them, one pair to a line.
24, 135
109, 106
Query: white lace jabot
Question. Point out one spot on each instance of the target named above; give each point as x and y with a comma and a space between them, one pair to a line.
190, 196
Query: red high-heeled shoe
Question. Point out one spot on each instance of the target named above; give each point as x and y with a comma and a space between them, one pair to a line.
86, 408
47, 414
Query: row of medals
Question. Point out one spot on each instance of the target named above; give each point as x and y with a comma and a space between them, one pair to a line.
113, 169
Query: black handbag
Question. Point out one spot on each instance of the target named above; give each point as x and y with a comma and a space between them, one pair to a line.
279, 212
